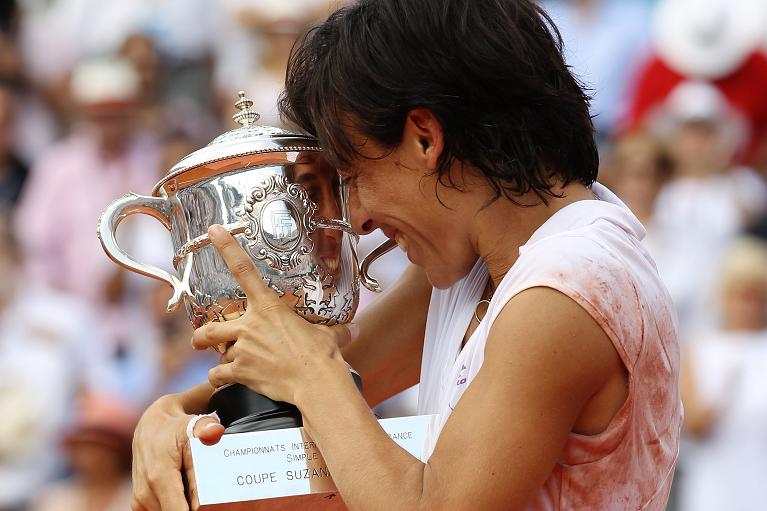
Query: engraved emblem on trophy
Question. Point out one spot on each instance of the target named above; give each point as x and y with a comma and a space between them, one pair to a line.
286, 205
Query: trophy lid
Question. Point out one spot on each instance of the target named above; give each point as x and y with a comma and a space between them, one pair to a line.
250, 144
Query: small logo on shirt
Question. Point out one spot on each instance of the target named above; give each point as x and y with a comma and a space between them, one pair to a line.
462, 375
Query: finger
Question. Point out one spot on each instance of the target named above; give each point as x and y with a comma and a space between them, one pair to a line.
208, 431
229, 355
221, 375
135, 505
345, 334
215, 333
143, 498
240, 264
169, 490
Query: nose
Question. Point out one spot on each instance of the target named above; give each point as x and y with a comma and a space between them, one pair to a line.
361, 220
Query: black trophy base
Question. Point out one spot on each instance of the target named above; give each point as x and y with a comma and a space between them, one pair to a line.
243, 411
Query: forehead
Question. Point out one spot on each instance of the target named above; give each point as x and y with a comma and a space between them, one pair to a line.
345, 147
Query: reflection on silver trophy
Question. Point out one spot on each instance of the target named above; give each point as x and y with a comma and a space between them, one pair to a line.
288, 208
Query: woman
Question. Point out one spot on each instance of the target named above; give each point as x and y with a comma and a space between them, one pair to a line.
724, 388
531, 315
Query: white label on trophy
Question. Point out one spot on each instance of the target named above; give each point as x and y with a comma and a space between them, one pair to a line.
281, 463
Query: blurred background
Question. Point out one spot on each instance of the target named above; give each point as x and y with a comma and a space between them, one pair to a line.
101, 98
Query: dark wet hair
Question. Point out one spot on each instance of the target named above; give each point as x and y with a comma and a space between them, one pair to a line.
491, 71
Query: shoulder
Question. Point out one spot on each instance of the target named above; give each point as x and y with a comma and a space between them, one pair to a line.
544, 359
589, 269
550, 329
607, 276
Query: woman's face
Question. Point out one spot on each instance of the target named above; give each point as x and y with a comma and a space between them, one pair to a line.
94, 461
745, 307
322, 184
698, 148
393, 191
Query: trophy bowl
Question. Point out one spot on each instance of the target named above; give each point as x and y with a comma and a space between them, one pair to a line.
288, 208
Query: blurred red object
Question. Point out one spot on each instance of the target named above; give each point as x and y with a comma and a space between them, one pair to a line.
744, 89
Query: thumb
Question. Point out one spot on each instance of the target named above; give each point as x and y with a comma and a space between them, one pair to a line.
208, 431
345, 334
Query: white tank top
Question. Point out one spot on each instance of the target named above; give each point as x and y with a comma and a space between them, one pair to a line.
590, 251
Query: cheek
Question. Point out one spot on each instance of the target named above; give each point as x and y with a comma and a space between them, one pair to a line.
384, 196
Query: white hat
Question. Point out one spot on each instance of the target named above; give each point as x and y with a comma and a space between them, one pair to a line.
708, 39
697, 101
103, 81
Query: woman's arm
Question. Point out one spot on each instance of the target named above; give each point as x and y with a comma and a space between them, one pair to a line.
545, 358
387, 352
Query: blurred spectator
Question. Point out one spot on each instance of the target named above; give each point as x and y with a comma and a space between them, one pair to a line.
10, 59
724, 388
70, 30
236, 50
604, 41
186, 54
98, 449
74, 30
717, 41
706, 202
49, 350
252, 49
268, 28
70, 185
758, 228
77, 178
8, 15
636, 168
161, 109
13, 171
140, 51
32, 126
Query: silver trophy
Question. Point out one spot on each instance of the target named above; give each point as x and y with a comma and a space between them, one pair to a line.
288, 208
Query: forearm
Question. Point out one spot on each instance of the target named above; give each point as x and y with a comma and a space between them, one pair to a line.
370, 470
387, 353
393, 372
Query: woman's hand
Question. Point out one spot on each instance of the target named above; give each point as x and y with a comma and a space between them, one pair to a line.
160, 453
274, 352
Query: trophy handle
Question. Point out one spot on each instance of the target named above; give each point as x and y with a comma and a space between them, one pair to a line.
131, 204
368, 281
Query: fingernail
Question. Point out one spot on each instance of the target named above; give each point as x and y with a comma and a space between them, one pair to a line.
215, 232
354, 331
209, 426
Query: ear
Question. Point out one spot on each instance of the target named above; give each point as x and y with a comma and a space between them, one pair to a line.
423, 136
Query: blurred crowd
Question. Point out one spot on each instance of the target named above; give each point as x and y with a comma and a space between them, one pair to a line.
101, 98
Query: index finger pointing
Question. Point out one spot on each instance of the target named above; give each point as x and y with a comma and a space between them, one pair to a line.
240, 264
